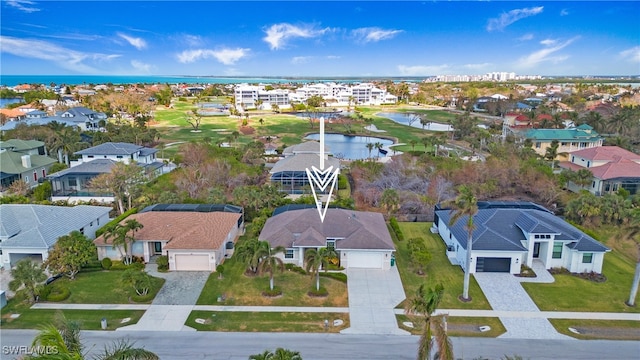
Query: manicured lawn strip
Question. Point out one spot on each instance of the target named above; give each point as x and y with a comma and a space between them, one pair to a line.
243, 290
606, 329
459, 326
266, 321
571, 293
102, 287
90, 319
439, 270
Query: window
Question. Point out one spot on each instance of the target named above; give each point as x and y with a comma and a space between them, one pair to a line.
82, 231
331, 244
587, 258
90, 156
72, 181
593, 184
98, 221
547, 236
538, 145
26, 179
557, 250
536, 236
588, 163
91, 224
288, 254
119, 156
35, 176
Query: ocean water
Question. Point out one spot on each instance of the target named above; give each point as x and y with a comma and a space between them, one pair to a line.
13, 80
5, 102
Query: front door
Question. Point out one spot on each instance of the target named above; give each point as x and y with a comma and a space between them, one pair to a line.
157, 247
536, 250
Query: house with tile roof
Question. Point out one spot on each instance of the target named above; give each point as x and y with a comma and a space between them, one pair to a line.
30, 231
192, 240
507, 236
612, 167
23, 160
571, 139
360, 238
72, 184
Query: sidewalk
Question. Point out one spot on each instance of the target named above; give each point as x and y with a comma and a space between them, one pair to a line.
536, 314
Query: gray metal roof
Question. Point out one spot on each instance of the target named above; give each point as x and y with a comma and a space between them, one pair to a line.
97, 166
354, 229
502, 229
300, 162
305, 147
40, 226
110, 148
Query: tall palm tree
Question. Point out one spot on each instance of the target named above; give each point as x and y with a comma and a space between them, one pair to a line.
552, 152
370, 148
29, 274
424, 121
123, 237
64, 336
423, 305
270, 262
378, 145
413, 143
250, 252
465, 204
426, 142
315, 259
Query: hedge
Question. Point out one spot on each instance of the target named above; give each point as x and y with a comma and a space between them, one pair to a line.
108, 226
335, 275
55, 293
396, 228
106, 263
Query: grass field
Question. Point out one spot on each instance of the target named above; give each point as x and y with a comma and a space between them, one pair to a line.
571, 293
462, 326
266, 321
240, 289
89, 319
439, 270
102, 287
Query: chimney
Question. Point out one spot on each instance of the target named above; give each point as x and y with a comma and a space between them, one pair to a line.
26, 161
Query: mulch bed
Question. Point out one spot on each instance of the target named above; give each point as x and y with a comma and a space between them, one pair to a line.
610, 333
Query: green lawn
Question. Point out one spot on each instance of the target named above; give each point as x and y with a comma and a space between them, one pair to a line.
599, 329
462, 326
439, 270
89, 319
102, 287
571, 293
240, 289
266, 321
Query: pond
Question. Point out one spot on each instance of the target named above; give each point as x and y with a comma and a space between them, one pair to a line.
352, 147
414, 121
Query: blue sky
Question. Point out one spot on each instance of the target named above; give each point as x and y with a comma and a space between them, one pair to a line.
327, 38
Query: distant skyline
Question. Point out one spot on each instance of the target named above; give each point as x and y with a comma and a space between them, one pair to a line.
319, 39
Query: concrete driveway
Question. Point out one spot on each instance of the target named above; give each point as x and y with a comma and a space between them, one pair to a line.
373, 295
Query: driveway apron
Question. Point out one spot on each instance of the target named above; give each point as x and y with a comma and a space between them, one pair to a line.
504, 293
173, 303
373, 295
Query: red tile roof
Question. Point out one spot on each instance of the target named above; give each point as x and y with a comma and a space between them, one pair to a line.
621, 169
183, 229
610, 153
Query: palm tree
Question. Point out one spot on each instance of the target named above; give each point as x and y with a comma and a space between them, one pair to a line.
552, 152
378, 145
29, 274
426, 142
423, 305
389, 199
123, 237
315, 259
279, 354
424, 121
270, 262
250, 252
370, 148
413, 143
465, 204
64, 336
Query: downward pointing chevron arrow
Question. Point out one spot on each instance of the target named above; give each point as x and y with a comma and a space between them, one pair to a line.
322, 178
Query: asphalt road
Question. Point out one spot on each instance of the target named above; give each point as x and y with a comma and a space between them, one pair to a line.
215, 345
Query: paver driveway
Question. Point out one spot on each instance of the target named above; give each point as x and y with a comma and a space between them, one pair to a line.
504, 292
373, 295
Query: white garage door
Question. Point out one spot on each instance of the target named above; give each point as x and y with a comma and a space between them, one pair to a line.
195, 262
368, 260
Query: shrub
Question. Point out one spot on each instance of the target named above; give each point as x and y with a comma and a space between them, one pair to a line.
57, 292
106, 263
295, 268
335, 275
396, 228
272, 293
137, 266
143, 298
343, 183
118, 265
318, 293
163, 263
108, 226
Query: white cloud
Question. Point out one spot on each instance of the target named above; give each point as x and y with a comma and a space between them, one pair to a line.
512, 16
224, 56
546, 54
141, 67
136, 42
373, 34
526, 37
333, 57
422, 70
301, 59
193, 40
43, 50
279, 34
548, 42
564, 12
632, 54
23, 5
